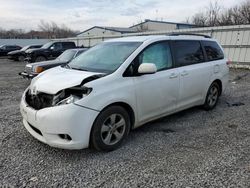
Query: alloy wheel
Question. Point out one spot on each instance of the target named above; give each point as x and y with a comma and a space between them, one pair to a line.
113, 129
213, 96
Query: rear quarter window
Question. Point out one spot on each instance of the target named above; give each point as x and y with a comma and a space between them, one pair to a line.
213, 50
187, 52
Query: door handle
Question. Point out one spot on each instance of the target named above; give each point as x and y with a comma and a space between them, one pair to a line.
173, 75
184, 73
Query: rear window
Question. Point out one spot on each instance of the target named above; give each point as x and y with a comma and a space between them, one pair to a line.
212, 50
188, 52
68, 45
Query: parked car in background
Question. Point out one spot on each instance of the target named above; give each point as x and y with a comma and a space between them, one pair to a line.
121, 84
48, 51
19, 55
5, 49
33, 69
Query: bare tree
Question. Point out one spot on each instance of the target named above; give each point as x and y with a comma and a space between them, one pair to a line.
213, 12
244, 12
199, 19
216, 16
226, 18
55, 31
46, 30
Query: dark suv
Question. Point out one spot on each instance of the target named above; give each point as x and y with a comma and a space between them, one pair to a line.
19, 55
48, 51
5, 49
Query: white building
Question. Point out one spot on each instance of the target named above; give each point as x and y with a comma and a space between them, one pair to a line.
153, 25
147, 25
99, 31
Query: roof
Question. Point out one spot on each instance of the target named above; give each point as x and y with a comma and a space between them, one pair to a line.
164, 22
115, 29
131, 29
136, 38
155, 37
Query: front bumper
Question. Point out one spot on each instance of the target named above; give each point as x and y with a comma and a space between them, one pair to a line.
11, 57
47, 124
26, 75
29, 59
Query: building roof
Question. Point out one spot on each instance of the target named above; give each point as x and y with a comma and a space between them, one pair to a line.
132, 28
115, 29
164, 22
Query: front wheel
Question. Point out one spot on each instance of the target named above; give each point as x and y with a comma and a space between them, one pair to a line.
40, 58
110, 128
212, 97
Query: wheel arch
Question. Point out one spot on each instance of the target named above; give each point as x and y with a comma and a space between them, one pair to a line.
128, 108
40, 55
219, 82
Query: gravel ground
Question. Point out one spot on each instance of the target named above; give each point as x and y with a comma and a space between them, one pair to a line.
193, 148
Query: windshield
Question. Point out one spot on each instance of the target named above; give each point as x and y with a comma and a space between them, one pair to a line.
25, 48
105, 57
47, 45
67, 55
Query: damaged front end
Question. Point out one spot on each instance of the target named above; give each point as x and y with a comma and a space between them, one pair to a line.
40, 100
43, 100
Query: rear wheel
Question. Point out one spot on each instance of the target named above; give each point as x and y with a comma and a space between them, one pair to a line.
212, 97
40, 58
110, 128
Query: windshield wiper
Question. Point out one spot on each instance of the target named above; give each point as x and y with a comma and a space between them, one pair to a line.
78, 69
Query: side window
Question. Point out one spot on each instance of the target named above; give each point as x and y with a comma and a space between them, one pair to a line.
188, 52
159, 54
212, 50
58, 46
68, 45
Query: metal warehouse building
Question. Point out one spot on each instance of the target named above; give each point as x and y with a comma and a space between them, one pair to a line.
147, 25
234, 39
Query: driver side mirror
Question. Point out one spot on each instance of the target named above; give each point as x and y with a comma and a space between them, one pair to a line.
52, 47
147, 68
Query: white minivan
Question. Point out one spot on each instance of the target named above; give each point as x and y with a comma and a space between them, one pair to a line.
121, 84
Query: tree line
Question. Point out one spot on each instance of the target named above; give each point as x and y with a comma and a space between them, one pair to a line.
215, 15
212, 15
46, 30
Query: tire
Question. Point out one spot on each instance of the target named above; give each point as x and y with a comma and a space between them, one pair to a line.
40, 58
110, 128
21, 58
212, 97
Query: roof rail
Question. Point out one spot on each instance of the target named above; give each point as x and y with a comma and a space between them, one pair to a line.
192, 34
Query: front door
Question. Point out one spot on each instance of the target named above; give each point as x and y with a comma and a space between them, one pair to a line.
156, 93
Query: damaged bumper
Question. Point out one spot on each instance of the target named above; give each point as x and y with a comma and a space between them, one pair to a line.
65, 126
26, 75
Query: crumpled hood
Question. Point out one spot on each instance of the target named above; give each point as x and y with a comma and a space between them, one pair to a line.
58, 78
14, 52
34, 50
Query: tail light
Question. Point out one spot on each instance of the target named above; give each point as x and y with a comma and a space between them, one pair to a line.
229, 62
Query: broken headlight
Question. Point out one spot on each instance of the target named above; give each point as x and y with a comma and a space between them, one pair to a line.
71, 95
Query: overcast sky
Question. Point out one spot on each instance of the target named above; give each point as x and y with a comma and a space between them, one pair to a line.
82, 14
